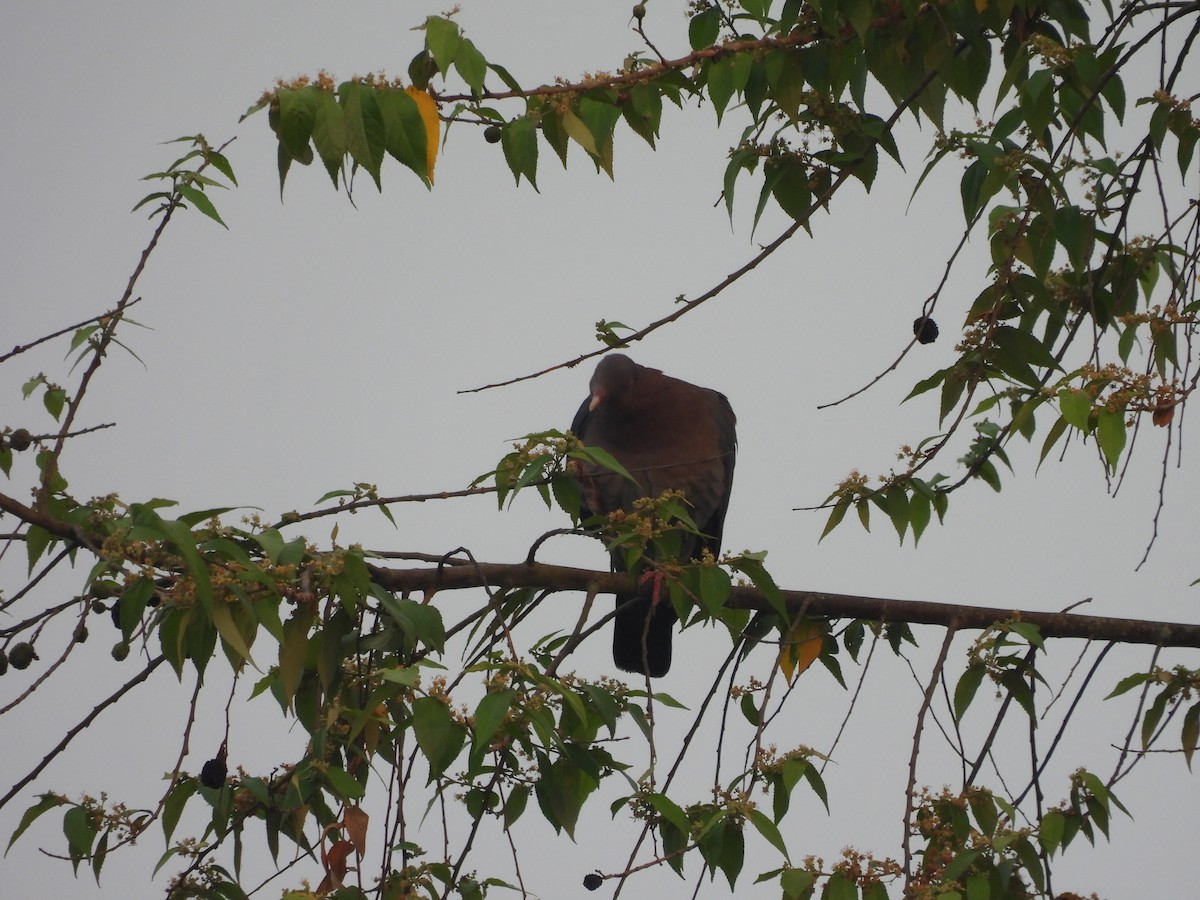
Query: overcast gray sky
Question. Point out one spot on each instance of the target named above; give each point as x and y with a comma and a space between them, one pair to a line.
315, 344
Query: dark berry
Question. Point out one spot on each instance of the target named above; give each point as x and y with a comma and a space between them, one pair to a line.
492, 134
925, 329
120, 651
3, 662
213, 773
20, 439
592, 881
22, 655
639, 13
81, 633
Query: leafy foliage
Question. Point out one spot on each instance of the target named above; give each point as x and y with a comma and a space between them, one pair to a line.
1086, 316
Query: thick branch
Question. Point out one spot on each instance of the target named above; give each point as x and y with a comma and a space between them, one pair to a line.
818, 603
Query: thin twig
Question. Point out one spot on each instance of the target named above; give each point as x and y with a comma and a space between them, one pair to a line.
83, 723
910, 804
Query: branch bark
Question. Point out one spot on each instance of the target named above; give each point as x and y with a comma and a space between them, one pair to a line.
819, 603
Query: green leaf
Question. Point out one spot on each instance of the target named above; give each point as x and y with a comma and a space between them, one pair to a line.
404, 136
55, 398
714, 588
1018, 687
1050, 833
751, 566
719, 74
561, 791
1190, 733
200, 201
733, 852
749, 710
365, 132
840, 887
173, 805
329, 133
1128, 683
1017, 349
968, 684
768, 829
1110, 434
797, 884
897, 509
344, 784
297, 116
438, 735
442, 39
470, 65
79, 826
519, 142
515, 805
704, 28
835, 517
132, 605
669, 810
1076, 408
46, 802
489, 716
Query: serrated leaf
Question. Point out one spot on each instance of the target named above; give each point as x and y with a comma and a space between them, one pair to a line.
518, 140
438, 735
442, 39
1050, 832
704, 28
404, 133
470, 65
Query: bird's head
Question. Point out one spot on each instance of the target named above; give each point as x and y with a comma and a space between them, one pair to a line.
613, 379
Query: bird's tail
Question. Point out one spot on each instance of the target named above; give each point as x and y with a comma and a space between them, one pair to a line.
642, 635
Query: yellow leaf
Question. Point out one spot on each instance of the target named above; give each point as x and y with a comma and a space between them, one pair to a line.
433, 125
801, 647
579, 132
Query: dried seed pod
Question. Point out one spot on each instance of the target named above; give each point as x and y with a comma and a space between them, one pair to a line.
925, 329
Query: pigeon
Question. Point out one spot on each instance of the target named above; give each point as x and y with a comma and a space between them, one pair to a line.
669, 435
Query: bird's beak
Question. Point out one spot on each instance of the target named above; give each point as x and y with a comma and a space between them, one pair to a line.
596, 398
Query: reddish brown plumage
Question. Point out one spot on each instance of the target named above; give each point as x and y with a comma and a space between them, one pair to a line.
669, 435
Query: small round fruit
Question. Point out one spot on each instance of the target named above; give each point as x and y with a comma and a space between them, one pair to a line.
639, 13
20, 439
22, 655
99, 607
925, 329
592, 881
212, 774
492, 134
81, 633
3, 662
120, 650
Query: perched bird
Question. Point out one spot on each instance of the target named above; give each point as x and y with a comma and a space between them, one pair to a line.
669, 435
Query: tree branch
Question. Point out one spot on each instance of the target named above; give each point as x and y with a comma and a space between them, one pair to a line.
819, 603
